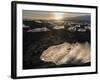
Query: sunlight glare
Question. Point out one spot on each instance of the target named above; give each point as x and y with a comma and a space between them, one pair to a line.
58, 16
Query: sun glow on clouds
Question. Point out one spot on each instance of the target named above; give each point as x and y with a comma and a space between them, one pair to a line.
58, 16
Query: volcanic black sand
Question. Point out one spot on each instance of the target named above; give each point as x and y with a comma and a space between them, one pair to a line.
34, 43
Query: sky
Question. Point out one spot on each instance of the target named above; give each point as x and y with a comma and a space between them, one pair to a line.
49, 15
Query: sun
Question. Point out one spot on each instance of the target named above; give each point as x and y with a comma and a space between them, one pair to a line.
58, 16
